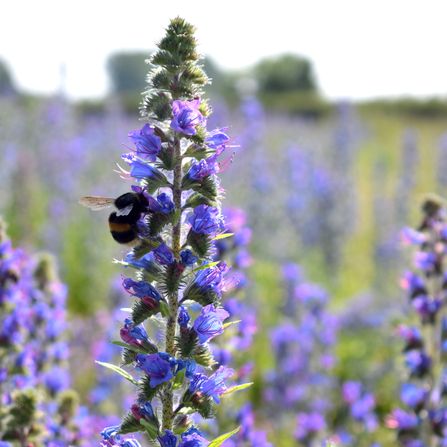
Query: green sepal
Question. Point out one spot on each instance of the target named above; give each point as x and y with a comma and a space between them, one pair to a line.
130, 424
187, 343
181, 423
201, 403
167, 159
120, 371
160, 79
165, 309
200, 295
141, 311
132, 348
127, 356
204, 357
186, 410
198, 152
196, 199
157, 221
151, 430
172, 280
157, 105
179, 379
145, 391
199, 242
200, 136
221, 439
146, 245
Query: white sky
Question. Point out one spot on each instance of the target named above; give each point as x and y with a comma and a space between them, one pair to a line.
360, 49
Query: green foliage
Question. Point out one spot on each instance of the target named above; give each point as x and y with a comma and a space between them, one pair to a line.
130, 424
6, 82
141, 311
145, 391
285, 73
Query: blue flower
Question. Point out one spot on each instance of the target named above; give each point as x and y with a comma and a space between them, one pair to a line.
206, 219
166, 204
193, 440
191, 431
183, 317
148, 145
141, 289
109, 431
168, 440
187, 257
145, 262
157, 369
140, 169
186, 116
413, 396
209, 324
214, 278
214, 385
57, 379
163, 255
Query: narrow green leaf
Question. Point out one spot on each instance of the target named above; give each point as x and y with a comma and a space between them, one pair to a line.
151, 429
237, 388
165, 309
120, 371
222, 236
179, 378
230, 323
220, 440
203, 267
125, 345
126, 264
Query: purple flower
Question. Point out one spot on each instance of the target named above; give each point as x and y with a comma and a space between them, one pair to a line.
401, 420
214, 385
242, 237
351, 391
193, 440
217, 138
413, 396
410, 236
413, 283
140, 169
57, 379
425, 261
135, 336
204, 167
214, 278
183, 317
259, 439
187, 257
145, 262
427, 307
141, 289
309, 424
418, 362
206, 219
148, 145
235, 219
163, 255
186, 116
157, 369
209, 324
242, 259
412, 335
363, 406
168, 439
166, 204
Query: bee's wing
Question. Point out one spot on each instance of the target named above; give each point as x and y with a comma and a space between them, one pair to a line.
96, 203
125, 211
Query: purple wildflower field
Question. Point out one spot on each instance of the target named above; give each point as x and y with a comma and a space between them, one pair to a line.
279, 278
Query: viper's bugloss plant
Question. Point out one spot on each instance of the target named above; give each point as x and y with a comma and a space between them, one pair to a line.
36, 404
423, 420
174, 163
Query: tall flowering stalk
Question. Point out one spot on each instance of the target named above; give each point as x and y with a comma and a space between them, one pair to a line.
423, 422
174, 161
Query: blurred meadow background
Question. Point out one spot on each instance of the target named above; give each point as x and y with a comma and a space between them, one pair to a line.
326, 180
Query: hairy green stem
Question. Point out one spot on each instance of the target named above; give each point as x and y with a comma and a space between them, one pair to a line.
171, 326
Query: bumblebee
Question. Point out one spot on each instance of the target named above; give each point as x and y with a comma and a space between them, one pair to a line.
122, 223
